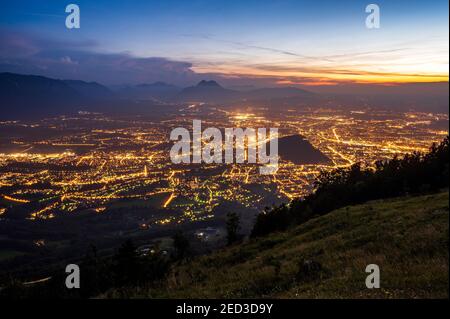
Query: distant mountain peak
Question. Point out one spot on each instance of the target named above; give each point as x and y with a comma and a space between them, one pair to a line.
211, 83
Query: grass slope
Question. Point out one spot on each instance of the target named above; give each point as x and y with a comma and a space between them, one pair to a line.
407, 237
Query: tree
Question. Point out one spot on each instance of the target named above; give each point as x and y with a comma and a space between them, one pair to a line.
126, 264
414, 173
96, 272
181, 245
232, 228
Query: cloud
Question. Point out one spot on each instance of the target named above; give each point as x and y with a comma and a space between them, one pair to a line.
31, 54
68, 60
20, 44
243, 45
28, 53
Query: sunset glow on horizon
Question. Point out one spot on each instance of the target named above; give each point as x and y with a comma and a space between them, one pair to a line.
256, 43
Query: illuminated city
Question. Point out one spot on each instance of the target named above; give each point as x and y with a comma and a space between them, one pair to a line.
94, 162
216, 151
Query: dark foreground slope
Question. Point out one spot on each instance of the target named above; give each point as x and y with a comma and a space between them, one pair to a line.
407, 237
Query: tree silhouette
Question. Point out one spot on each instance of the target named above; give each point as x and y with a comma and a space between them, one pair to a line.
232, 228
415, 173
181, 245
126, 264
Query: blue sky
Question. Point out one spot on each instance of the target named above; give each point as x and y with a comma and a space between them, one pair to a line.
280, 40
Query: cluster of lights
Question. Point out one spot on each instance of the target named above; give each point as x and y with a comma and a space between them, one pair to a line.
104, 173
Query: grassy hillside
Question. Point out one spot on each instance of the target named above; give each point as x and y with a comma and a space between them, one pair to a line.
407, 237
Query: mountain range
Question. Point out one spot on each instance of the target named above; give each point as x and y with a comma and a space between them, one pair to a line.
35, 96
27, 96
212, 92
38, 95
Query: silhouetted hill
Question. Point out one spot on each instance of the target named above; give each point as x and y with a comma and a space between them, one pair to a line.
90, 90
211, 84
212, 92
298, 150
30, 95
207, 91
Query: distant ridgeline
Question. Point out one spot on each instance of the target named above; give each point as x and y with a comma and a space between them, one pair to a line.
413, 174
31, 96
